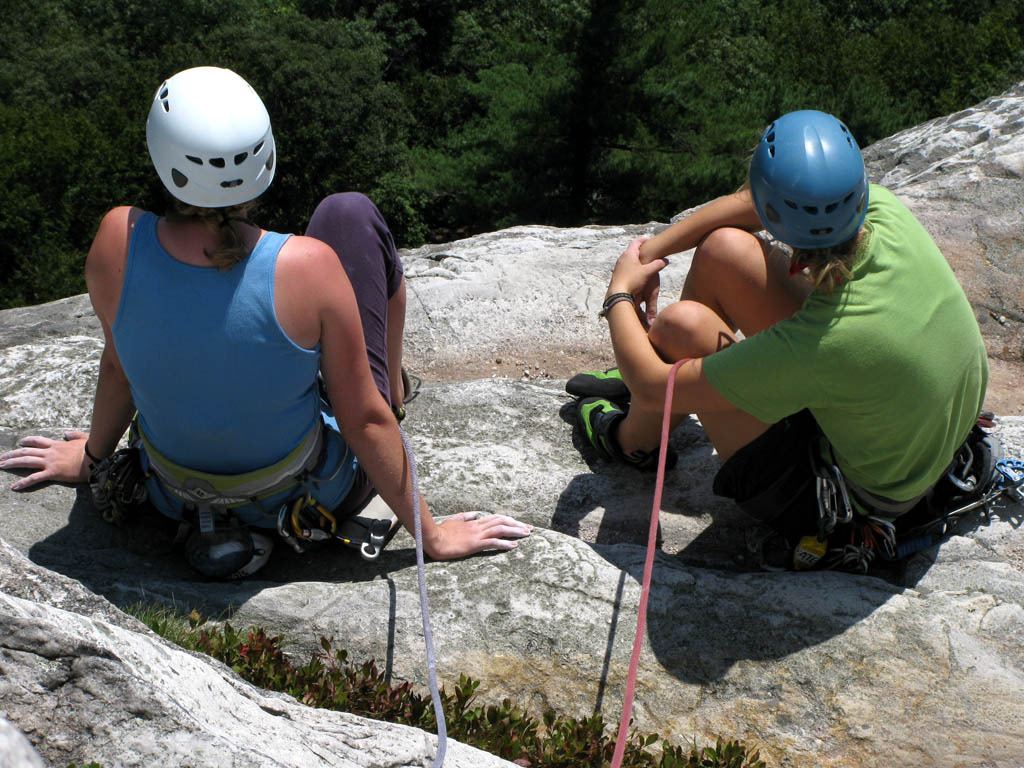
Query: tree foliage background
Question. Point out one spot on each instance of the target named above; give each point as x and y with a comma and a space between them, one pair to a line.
458, 117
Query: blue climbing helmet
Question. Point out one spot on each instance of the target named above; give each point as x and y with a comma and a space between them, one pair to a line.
808, 180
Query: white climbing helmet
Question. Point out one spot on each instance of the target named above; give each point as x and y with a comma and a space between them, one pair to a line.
209, 137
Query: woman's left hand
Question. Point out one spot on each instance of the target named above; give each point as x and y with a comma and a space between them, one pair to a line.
53, 461
641, 280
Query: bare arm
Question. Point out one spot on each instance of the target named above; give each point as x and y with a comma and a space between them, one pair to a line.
104, 275
644, 369
735, 210
366, 421
65, 460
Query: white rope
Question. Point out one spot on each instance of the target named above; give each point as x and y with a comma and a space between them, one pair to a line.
442, 728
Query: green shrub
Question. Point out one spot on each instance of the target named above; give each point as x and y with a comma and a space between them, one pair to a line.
329, 681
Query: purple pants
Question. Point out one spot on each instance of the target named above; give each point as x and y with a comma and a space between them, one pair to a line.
351, 224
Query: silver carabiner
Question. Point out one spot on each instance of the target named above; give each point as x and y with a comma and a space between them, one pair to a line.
847, 508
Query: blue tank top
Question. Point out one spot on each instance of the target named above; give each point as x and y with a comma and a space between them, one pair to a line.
218, 385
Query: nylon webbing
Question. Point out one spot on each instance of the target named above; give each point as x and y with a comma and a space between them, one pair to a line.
442, 728
645, 589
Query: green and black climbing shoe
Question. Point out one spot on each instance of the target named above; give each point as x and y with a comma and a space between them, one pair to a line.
599, 419
607, 384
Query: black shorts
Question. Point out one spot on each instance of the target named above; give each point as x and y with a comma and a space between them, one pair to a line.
772, 479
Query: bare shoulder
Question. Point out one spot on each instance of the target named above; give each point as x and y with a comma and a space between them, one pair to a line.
309, 285
105, 264
310, 250
308, 262
113, 235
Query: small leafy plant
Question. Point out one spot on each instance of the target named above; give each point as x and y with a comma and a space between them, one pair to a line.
329, 681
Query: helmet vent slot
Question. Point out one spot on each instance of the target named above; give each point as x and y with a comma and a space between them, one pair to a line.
240, 157
217, 162
166, 104
270, 162
771, 214
178, 177
811, 209
232, 183
848, 198
194, 159
770, 138
771, 150
825, 231
831, 207
163, 92
257, 148
790, 203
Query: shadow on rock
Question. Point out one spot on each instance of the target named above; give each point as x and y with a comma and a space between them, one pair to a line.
142, 560
712, 607
611, 503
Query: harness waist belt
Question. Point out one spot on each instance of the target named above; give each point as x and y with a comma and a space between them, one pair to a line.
206, 489
883, 503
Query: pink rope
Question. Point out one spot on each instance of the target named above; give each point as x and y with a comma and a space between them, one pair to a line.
645, 590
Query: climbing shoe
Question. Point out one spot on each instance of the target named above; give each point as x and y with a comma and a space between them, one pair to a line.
599, 419
607, 384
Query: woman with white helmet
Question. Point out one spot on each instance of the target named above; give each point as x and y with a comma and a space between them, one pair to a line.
862, 334
217, 332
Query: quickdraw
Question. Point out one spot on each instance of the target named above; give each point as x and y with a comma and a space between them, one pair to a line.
305, 522
831, 489
1009, 481
118, 485
878, 535
1012, 482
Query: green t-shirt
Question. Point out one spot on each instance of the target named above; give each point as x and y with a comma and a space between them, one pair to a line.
891, 364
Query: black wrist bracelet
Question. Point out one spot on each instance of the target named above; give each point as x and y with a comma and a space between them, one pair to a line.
88, 453
614, 299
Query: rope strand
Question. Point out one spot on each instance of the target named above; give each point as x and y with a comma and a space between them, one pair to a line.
428, 639
645, 589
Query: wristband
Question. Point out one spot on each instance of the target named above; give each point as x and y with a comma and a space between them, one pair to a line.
88, 453
614, 299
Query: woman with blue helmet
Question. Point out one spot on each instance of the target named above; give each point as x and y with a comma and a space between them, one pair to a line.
218, 335
858, 331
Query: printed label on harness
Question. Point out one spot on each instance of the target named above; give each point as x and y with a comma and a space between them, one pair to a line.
808, 552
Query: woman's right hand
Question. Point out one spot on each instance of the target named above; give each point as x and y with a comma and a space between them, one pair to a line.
53, 461
467, 533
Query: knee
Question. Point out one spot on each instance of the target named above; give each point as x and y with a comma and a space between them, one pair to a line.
685, 329
344, 209
676, 329
723, 249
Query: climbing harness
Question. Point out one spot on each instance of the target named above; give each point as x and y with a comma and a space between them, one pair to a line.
305, 522
116, 482
645, 588
857, 528
210, 493
1008, 480
302, 522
